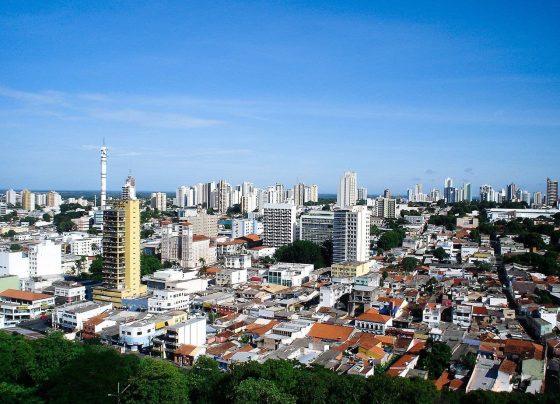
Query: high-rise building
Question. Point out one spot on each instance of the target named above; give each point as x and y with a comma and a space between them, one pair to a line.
386, 208
129, 188
487, 193
28, 200
537, 199
180, 244
103, 199
526, 197
313, 193
279, 221
362, 194
387, 193
224, 201
121, 253
351, 227
280, 193
348, 190
299, 194
551, 192
316, 226
158, 200
467, 192
449, 191
11, 197
54, 200
511, 192
204, 224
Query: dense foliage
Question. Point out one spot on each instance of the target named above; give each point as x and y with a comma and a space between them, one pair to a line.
546, 264
52, 369
306, 252
391, 239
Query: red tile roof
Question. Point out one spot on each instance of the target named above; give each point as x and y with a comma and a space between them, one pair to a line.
373, 316
23, 295
199, 237
330, 332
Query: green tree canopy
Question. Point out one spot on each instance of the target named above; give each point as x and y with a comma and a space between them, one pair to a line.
301, 251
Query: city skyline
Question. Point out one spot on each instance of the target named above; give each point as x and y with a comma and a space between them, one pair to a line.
301, 91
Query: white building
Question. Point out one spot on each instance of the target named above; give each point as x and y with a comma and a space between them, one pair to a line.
244, 227
351, 238
158, 200
14, 263
72, 316
18, 305
289, 274
169, 299
279, 221
166, 279
45, 259
229, 277
313, 193
70, 291
348, 190
86, 246
180, 244
191, 332
240, 261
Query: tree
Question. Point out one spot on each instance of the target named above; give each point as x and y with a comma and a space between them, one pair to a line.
167, 264
149, 264
96, 268
410, 263
327, 252
440, 254
531, 240
301, 251
15, 247
391, 239
46, 217
258, 391
157, 382
146, 233
435, 358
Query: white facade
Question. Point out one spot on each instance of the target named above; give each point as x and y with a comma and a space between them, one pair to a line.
191, 332
158, 200
72, 292
244, 227
289, 274
241, 261
14, 263
45, 259
279, 221
86, 246
351, 238
229, 277
72, 316
348, 190
166, 300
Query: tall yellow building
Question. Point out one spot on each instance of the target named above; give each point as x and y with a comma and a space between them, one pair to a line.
121, 253
28, 199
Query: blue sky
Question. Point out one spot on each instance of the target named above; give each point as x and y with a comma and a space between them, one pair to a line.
286, 91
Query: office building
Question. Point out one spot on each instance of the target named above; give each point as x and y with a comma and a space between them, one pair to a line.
158, 200
351, 229
386, 208
511, 193
121, 253
279, 221
551, 192
347, 190
316, 226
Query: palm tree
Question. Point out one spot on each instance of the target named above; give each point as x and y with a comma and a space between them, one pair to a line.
203, 267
